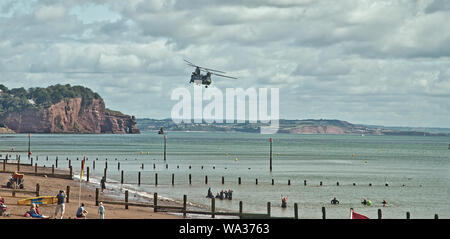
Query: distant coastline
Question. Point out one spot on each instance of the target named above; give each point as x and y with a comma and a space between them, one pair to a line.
307, 126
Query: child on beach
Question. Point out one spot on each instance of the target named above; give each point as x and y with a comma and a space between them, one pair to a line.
101, 210
81, 212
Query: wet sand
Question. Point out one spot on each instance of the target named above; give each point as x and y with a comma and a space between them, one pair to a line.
50, 187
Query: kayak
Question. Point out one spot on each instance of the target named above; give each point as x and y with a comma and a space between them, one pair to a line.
42, 200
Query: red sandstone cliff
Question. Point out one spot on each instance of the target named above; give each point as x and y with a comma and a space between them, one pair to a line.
68, 116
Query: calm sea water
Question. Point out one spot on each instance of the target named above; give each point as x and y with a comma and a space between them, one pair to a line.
415, 167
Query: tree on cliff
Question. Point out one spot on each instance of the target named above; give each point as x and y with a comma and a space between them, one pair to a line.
17, 100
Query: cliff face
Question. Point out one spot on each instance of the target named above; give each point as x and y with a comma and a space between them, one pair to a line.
69, 116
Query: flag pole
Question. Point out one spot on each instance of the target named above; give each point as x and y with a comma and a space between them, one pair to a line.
81, 177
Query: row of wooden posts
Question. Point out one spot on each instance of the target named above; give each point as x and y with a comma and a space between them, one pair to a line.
183, 209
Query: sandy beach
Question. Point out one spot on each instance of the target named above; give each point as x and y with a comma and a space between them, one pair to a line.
50, 187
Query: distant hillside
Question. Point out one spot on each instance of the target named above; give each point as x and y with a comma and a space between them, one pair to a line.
307, 126
59, 109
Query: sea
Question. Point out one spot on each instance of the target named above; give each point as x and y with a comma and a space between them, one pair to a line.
411, 173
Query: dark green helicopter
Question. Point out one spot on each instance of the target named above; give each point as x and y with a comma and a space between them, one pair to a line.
200, 79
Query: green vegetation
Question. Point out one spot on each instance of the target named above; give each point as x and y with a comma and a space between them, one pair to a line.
19, 99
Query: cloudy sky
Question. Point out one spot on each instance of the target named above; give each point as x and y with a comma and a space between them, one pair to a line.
373, 62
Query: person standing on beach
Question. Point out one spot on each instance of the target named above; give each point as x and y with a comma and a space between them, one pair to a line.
103, 183
60, 206
101, 210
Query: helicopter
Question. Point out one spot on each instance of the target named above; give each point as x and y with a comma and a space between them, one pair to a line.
200, 79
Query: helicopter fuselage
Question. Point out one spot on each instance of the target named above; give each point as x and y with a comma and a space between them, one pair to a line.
201, 79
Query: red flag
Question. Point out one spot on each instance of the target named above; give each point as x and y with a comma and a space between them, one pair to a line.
355, 215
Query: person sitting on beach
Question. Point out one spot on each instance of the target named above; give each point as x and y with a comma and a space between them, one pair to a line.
81, 212
221, 195
334, 201
226, 194
34, 212
230, 194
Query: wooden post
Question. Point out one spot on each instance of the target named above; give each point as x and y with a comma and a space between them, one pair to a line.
320, 183
18, 165
165, 154
67, 194
270, 140
93, 165
97, 193
70, 163
324, 213
184, 205
304, 182
38, 187
190, 179
289, 182
337, 183
173, 179
139, 178
206, 179
239, 180
167, 166
70, 171
256, 182
156, 179
56, 162
240, 209
106, 164
380, 215
87, 174
273, 182
35, 167
155, 202
154, 166
121, 177
126, 199
118, 165
142, 166
268, 208
295, 211
31, 162
53, 169
213, 207
223, 180
4, 165
104, 173
408, 215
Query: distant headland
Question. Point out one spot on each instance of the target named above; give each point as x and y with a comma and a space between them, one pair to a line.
306, 126
60, 109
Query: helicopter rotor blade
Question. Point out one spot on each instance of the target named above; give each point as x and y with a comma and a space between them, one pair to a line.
223, 75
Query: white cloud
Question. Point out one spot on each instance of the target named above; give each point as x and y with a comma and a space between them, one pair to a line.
378, 62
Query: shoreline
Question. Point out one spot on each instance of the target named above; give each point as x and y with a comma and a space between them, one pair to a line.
50, 186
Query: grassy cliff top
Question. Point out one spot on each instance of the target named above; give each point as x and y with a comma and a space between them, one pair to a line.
20, 99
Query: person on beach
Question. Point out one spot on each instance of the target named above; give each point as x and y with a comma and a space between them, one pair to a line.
210, 195
81, 212
221, 195
60, 206
34, 212
230, 194
101, 210
384, 203
103, 183
283, 201
334, 201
